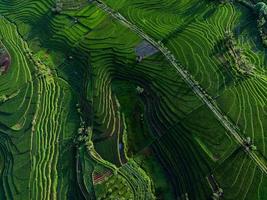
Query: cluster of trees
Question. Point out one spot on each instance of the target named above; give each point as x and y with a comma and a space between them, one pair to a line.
3, 98
261, 10
3, 56
115, 188
239, 60
217, 194
2, 50
249, 145
58, 8
139, 90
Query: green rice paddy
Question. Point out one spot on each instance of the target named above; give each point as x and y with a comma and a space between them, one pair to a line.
82, 118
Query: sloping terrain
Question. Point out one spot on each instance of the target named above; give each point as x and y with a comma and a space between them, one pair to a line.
132, 100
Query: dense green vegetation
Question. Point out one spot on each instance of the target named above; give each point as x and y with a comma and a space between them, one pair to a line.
82, 117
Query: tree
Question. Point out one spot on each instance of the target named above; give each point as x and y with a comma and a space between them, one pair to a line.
261, 8
3, 98
139, 90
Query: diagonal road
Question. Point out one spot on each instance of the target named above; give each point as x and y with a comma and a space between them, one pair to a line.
211, 104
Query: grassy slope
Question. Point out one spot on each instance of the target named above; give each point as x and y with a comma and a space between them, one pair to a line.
191, 30
45, 108
182, 129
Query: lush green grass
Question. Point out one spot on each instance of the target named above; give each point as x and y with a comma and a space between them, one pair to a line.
148, 161
16, 115
33, 120
240, 178
138, 136
192, 30
162, 143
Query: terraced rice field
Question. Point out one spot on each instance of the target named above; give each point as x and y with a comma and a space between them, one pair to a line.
72, 5
83, 117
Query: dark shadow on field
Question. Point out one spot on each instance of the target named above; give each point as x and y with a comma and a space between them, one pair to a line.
72, 69
196, 11
225, 65
41, 30
247, 29
177, 31
71, 64
159, 123
209, 13
182, 169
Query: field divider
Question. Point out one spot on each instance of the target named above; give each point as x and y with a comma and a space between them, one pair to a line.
193, 84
